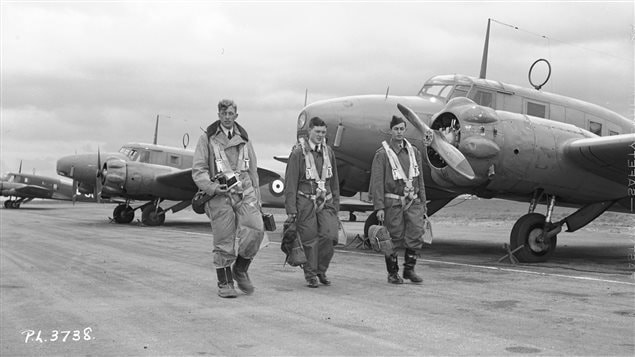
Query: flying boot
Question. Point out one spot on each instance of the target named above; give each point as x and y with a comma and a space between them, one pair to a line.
392, 265
240, 274
409, 266
225, 283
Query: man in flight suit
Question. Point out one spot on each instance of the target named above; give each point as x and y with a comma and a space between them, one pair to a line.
399, 198
225, 167
312, 198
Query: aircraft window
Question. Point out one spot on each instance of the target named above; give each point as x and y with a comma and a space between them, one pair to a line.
611, 132
133, 155
144, 156
460, 91
595, 128
536, 109
484, 98
174, 160
436, 90
55, 186
26, 180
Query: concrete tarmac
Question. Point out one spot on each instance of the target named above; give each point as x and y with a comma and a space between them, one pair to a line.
74, 284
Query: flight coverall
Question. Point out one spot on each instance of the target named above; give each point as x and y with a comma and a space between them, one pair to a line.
235, 218
317, 224
406, 226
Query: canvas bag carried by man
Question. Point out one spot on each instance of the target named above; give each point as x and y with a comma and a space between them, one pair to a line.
291, 245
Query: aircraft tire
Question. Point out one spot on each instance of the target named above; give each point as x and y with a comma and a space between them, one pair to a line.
7, 204
526, 229
123, 214
152, 217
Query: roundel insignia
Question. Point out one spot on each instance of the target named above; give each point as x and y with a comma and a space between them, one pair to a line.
276, 187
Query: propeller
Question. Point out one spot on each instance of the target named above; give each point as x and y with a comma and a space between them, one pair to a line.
452, 156
74, 197
99, 178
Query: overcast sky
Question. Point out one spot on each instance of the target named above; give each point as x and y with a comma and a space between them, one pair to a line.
79, 75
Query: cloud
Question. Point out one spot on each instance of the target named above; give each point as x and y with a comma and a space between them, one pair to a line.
77, 75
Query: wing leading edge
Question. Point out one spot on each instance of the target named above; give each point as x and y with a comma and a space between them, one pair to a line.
605, 156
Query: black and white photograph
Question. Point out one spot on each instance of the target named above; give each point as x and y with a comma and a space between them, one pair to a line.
317, 178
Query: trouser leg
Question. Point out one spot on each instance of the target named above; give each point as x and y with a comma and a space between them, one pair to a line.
327, 228
307, 226
223, 222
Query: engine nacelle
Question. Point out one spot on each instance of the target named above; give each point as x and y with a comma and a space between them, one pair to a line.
141, 181
472, 129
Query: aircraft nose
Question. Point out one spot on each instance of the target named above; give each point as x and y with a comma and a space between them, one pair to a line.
65, 165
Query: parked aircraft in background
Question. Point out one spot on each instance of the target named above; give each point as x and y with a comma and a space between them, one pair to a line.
152, 173
492, 139
23, 188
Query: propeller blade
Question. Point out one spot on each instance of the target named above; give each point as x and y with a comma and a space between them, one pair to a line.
448, 152
452, 156
413, 118
98, 179
74, 188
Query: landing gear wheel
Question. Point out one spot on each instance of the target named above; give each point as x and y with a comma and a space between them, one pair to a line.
123, 214
528, 231
7, 204
152, 216
15, 204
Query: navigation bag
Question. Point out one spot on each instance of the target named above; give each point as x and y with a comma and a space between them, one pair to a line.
291, 245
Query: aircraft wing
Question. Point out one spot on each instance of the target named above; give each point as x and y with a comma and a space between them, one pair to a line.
605, 156
32, 191
283, 159
180, 179
355, 205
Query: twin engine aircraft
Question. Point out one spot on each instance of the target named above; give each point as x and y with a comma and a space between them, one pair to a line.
490, 139
152, 173
23, 188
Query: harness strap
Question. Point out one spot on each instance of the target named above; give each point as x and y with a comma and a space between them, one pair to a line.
405, 201
311, 172
222, 162
398, 172
318, 199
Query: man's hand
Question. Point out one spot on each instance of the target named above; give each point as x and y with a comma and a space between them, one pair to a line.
221, 190
380, 215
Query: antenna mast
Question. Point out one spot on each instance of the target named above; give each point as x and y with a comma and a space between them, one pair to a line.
485, 50
156, 130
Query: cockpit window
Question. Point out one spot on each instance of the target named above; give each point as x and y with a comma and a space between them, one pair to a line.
132, 154
11, 178
437, 90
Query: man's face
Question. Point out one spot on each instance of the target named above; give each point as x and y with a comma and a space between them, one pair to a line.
398, 131
317, 134
227, 117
